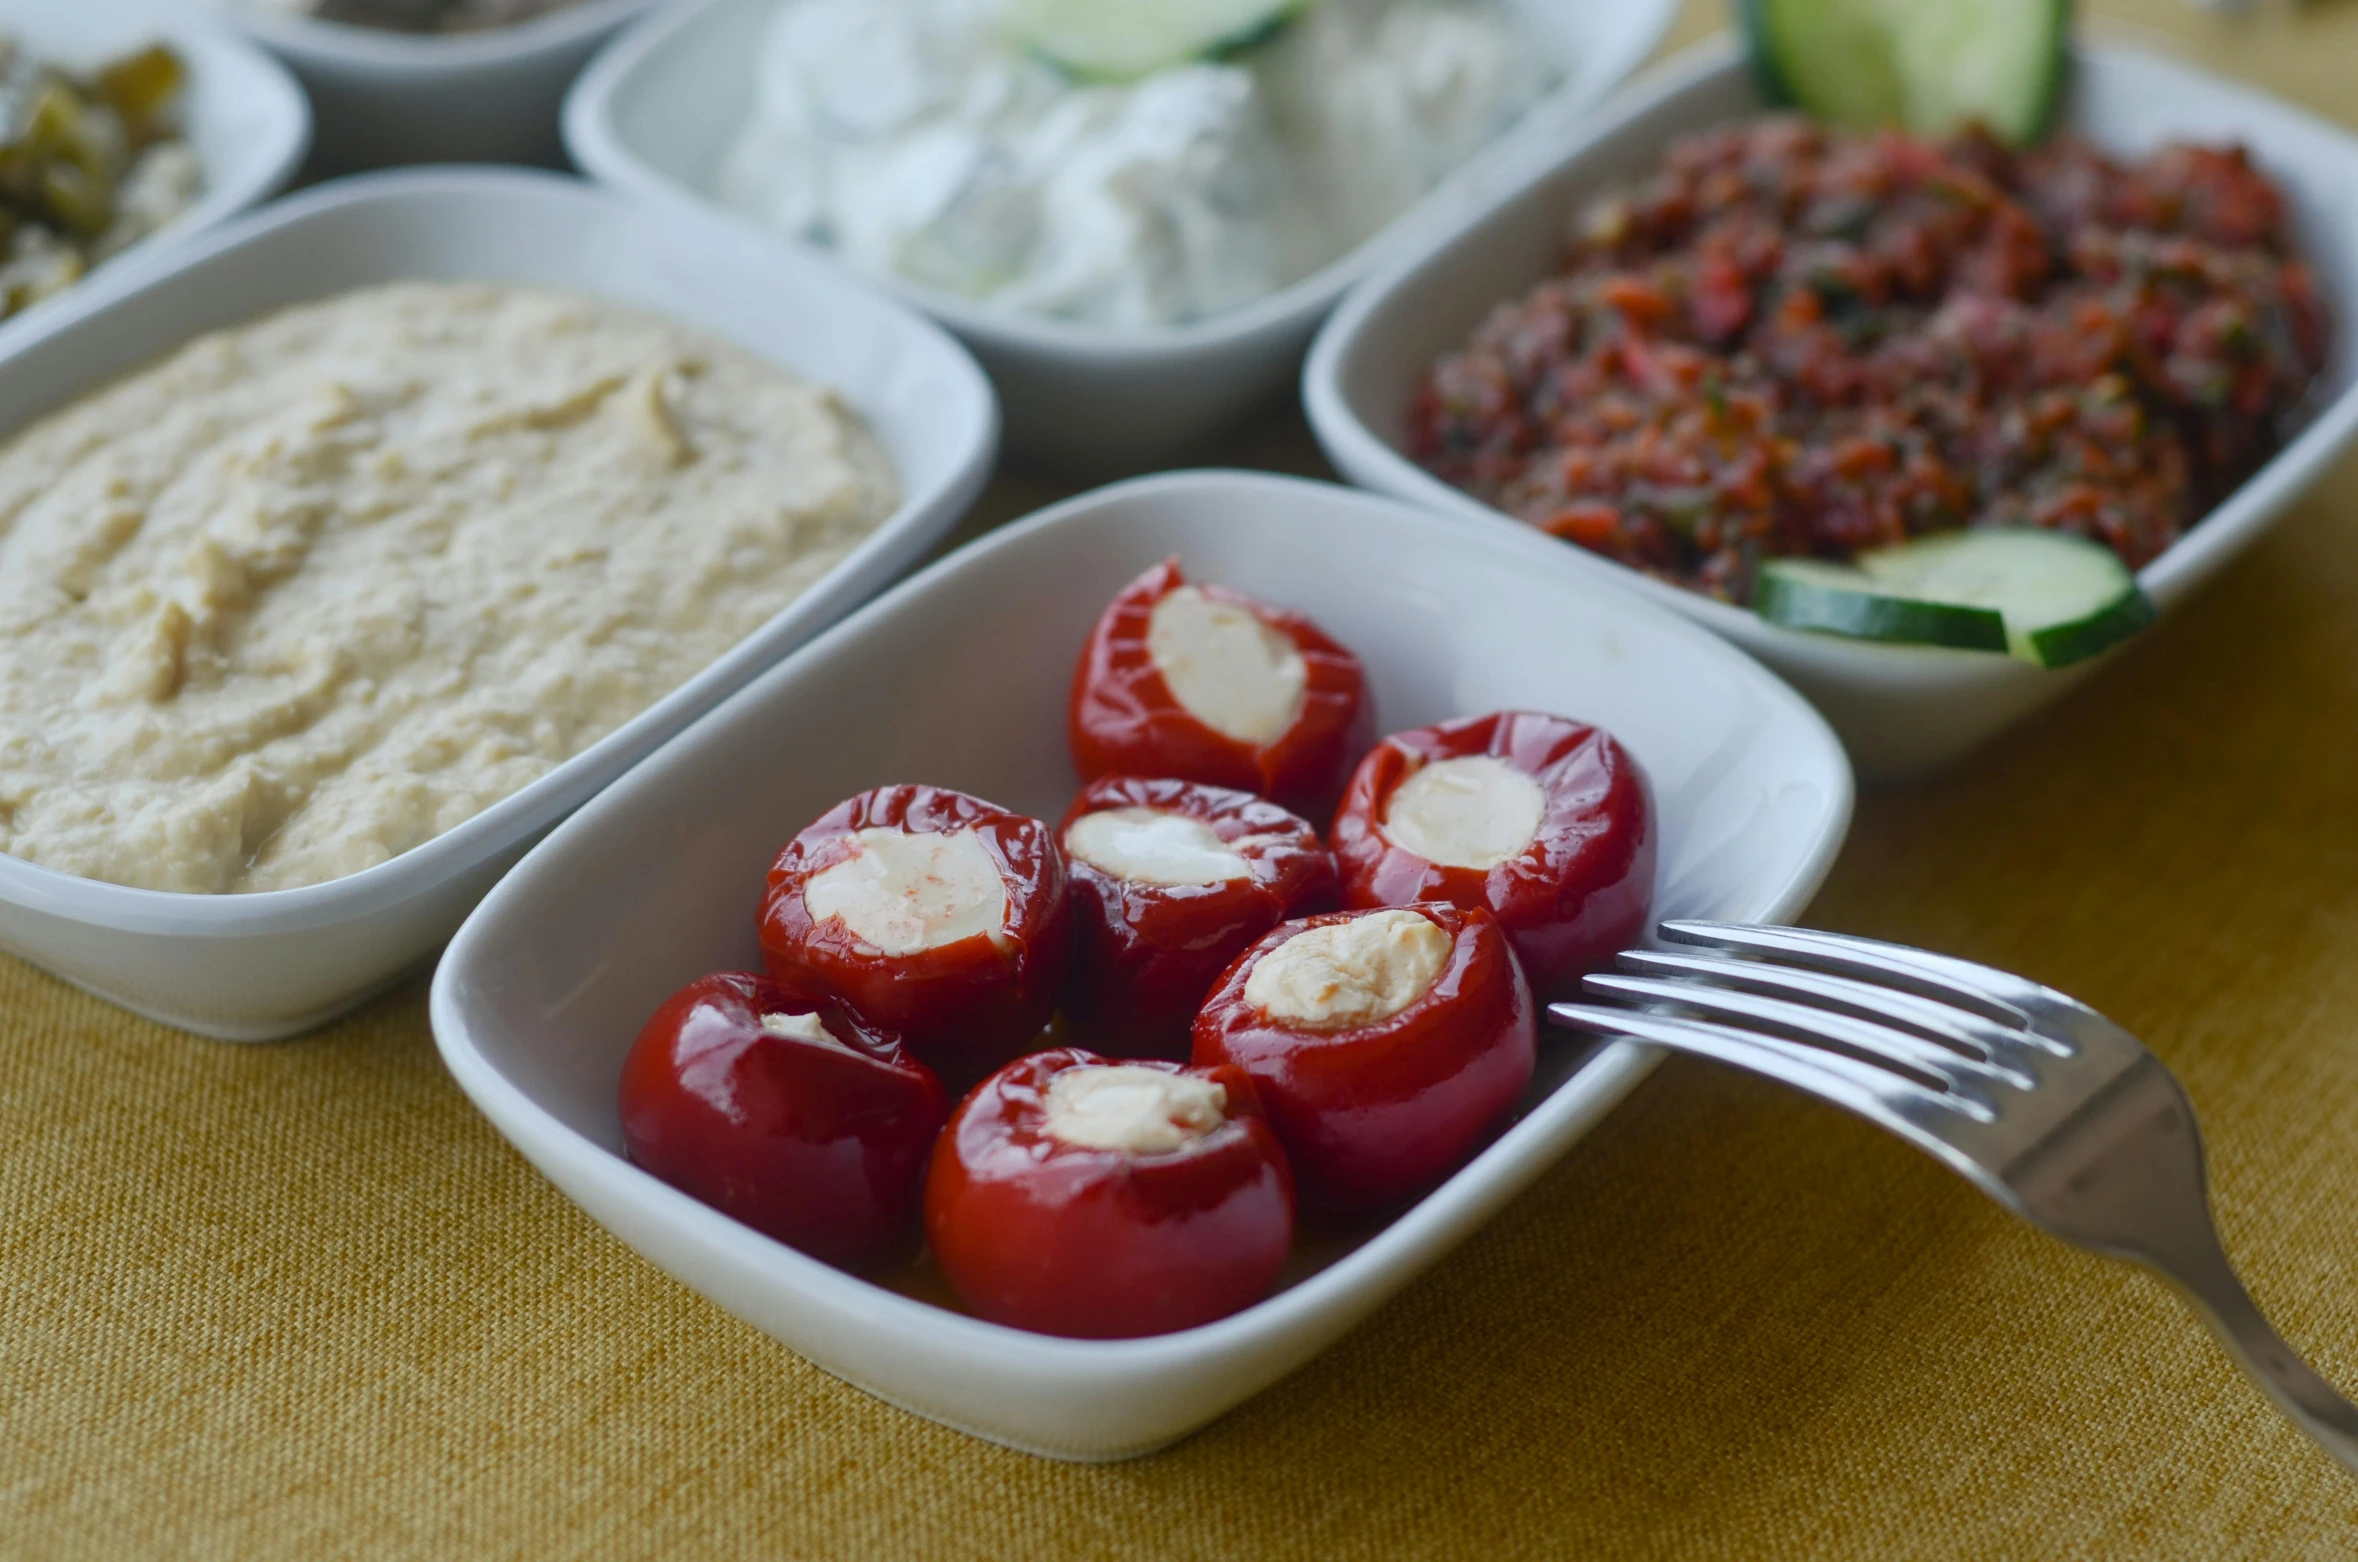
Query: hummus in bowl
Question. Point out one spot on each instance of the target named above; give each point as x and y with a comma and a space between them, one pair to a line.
313, 590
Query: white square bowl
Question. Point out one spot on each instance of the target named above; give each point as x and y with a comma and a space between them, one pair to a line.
959, 678
251, 967
1900, 709
244, 116
392, 97
655, 112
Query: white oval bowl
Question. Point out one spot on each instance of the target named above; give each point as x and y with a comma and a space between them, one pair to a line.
251, 967
959, 678
654, 113
1900, 709
247, 121
389, 97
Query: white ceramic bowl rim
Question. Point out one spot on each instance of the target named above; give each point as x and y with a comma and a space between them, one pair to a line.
421, 869
596, 148
311, 37
1416, 1225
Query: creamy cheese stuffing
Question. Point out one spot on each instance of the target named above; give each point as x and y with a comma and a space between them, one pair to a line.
1144, 1111
1347, 974
906, 893
1225, 667
313, 590
799, 1027
1474, 812
918, 140
1154, 846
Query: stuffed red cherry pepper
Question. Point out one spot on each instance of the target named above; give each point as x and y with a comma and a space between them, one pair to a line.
929, 911
789, 1114
1072, 1195
1543, 822
1170, 880
1387, 1046
1209, 685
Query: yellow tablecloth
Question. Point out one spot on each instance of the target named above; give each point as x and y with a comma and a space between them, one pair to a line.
299, 1301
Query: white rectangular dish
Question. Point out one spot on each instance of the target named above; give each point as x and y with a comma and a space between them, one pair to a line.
655, 111
388, 97
250, 967
1900, 709
246, 120
959, 678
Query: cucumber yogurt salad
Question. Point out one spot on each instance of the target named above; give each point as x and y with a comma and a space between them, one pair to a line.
1130, 166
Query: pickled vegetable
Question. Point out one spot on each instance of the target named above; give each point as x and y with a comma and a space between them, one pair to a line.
88, 165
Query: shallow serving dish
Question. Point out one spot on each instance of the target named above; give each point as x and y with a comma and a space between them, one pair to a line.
249, 967
959, 678
246, 119
654, 113
389, 97
1900, 709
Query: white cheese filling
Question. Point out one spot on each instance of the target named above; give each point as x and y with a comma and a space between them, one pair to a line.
1153, 846
1466, 813
1347, 974
1143, 1111
907, 893
799, 1027
1224, 666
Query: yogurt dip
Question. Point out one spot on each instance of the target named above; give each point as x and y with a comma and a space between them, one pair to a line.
313, 590
918, 140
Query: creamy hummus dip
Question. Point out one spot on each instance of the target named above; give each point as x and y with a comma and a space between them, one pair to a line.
312, 591
918, 139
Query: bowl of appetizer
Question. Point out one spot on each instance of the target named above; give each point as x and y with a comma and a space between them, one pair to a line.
129, 123
353, 545
1134, 214
1073, 991
1928, 418
433, 81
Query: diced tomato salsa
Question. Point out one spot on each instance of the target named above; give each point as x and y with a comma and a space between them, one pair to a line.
1791, 340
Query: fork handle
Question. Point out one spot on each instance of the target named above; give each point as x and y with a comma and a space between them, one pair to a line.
2208, 1281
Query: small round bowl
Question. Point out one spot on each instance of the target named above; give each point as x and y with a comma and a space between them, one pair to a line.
246, 119
388, 97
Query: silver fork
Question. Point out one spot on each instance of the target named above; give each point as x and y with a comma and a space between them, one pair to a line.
2042, 1103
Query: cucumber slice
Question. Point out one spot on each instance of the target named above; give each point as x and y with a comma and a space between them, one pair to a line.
1122, 40
1837, 599
1930, 65
2051, 598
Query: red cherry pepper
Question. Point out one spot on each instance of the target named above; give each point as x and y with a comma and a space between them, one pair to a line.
1146, 952
1126, 721
1580, 893
821, 1143
1372, 1115
1043, 1233
964, 1006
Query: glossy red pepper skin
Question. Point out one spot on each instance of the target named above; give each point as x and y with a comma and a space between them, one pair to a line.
1059, 1238
823, 1147
1374, 1115
1145, 954
1580, 894
963, 1007
1124, 720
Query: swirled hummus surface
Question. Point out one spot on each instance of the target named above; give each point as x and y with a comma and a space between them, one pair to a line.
313, 590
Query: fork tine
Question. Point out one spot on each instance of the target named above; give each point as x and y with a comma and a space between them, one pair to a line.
1872, 1091
1867, 1000
1999, 995
1879, 1042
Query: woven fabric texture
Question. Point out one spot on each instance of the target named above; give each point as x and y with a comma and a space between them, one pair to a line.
299, 1301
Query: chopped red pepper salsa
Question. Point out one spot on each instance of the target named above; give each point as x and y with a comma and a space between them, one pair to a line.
1796, 341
